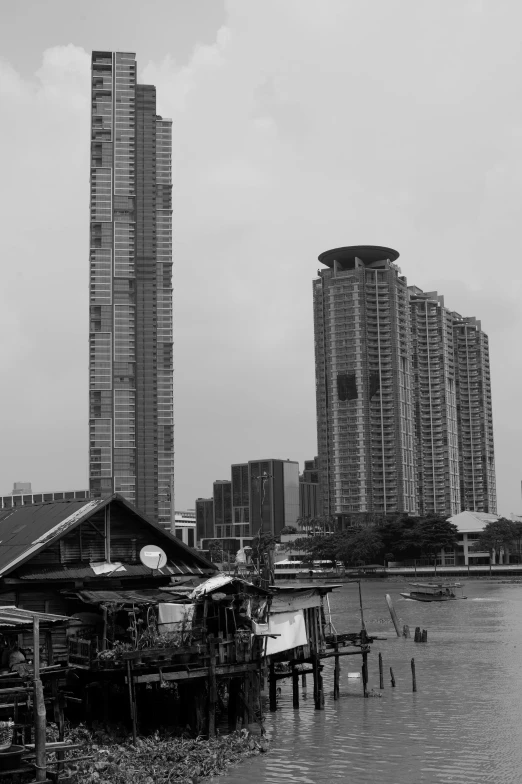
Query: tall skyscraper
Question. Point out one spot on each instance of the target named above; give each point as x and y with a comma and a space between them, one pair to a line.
475, 416
435, 404
131, 424
364, 384
404, 417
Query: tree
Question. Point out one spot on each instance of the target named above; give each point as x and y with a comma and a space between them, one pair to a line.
431, 534
501, 534
215, 549
360, 545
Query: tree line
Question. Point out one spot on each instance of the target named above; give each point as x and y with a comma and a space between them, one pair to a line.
398, 539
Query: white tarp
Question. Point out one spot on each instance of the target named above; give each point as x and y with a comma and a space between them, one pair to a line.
218, 581
172, 617
301, 600
289, 626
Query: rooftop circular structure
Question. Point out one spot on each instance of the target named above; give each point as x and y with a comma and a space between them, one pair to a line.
366, 253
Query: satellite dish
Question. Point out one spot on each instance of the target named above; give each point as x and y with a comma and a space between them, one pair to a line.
153, 557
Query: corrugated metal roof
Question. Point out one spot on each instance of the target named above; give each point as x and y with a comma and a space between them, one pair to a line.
129, 570
145, 596
15, 617
24, 530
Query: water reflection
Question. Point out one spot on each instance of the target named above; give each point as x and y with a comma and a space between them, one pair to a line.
462, 725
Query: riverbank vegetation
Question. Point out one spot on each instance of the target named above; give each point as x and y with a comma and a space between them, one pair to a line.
157, 759
396, 539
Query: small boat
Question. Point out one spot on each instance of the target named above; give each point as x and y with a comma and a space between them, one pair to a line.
434, 592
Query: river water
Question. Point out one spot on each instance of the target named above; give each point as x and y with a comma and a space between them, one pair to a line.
464, 723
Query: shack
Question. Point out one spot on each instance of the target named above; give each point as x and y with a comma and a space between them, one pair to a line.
60, 557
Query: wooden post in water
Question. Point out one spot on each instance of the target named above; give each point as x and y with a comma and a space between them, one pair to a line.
413, 676
381, 673
365, 673
424, 635
406, 631
418, 637
212, 688
392, 678
393, 614
303, 680
337, 672
295, 688
272, 688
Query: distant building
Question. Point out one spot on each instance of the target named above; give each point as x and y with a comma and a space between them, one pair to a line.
29, 499
131, 417
185, 527
470, 525
21, 488
222, 495
274, 495
364, 378
204, 518
475, 416
240, 500
310, 503
434, 393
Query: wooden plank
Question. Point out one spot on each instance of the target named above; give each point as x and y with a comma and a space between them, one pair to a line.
221, 670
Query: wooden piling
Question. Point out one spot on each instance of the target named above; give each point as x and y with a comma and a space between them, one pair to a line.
406, 631
303, 681
272, 688
413, 676
392, 678
365, 673
132, 702
212, 688
418, 636
233, 689
393, 614
337, 673
318, 683
381, 673
295, 688
39, 731
424, 635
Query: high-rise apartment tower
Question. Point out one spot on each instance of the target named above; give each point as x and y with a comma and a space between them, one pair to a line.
403, 389
435, 404
475, 416
131, 424
364, 381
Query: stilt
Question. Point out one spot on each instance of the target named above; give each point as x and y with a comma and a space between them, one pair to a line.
295, 688
365, 673
424, 635
233, 689
212, 688
303, 681
418, 636
413, 675
272, 688
318, 683
392, 676
132, 702
39, 730
381, 673
337, 673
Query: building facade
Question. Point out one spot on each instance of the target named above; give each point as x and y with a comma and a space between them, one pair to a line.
364, 384
222, 495
475, 416
403, 391
240, 500
310, 504
274, 495
436, 431
131, 425
204, 518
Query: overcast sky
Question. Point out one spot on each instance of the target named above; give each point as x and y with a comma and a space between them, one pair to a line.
299, 125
